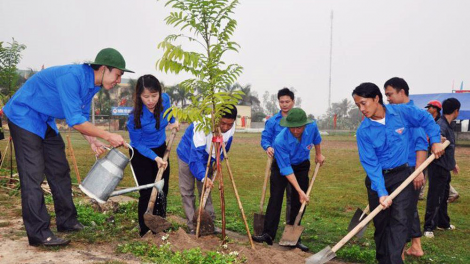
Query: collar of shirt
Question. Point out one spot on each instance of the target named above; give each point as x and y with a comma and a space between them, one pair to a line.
388, 111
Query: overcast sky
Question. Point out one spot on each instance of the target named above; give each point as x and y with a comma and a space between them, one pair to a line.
283, 43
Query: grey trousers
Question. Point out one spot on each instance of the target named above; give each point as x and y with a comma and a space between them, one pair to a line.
186, 184
35, 158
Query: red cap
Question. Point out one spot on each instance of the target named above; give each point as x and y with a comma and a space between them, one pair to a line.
434, 103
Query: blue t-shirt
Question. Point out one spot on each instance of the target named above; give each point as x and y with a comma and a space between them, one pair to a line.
147, 137
418, 141
63, 92
272, 128
386, 146
194, 149
290, 151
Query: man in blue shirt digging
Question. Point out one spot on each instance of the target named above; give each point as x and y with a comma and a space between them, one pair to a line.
292, 145
63, 92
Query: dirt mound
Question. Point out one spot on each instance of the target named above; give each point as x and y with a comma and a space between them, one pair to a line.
180, 240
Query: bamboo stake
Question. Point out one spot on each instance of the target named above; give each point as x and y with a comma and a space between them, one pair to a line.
5, 155
240, 206
222, 191
77, 173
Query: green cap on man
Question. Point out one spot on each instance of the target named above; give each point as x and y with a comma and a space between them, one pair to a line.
296, 117
111, 57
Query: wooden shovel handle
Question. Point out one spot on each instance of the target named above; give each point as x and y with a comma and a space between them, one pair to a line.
153, 196
267, 173
390, 197
208, 189
302, 208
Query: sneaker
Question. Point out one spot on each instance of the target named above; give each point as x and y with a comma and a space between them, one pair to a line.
429, 234
453, 198
451, 227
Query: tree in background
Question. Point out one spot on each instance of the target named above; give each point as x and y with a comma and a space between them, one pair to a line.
348, 116
211, 29
270, 103
9, 59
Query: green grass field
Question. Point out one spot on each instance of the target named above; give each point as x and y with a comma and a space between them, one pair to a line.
338, 190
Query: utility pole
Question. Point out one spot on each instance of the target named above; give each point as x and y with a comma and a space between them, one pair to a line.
331, 55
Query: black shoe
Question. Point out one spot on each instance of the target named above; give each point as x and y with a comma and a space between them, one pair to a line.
217, 230
74, 228
301, 246
263, 238
52, 241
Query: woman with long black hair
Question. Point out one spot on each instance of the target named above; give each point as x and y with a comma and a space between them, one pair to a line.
146, 126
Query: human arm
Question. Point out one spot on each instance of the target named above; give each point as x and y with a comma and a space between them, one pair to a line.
136, 136
319, 158
302, 196
420, 158
370, 163
267, 138
198, 154
456, 170
91, 132
419, 118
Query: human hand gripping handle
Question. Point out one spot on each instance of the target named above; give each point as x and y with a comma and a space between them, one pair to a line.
115, 140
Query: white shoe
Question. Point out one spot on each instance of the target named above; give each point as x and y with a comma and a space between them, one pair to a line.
429, 234
451, 227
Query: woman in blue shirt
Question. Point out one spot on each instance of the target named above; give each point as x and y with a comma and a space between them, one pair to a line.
146, 126
382, 141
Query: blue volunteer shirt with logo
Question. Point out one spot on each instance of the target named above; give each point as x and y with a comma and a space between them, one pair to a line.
62, 92
386, 146
418, 141
148, 136
272, 128
194, 149
290, 151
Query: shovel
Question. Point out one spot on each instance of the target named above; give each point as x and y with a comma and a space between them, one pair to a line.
328, 253
258, 221
154, 222
292, 233
207, 225
358, 216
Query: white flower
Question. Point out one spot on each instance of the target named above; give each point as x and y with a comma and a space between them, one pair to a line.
225, 246
233, 253
165, 237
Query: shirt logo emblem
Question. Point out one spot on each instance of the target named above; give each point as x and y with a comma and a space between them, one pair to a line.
310, 146
400, 130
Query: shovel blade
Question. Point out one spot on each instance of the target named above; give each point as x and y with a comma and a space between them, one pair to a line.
356, 219
156, 223
321, 257
207, 224
258, 224
291, 235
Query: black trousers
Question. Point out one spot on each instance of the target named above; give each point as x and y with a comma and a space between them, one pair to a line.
277, 188
415, 225
146, 172
392, 224
436, 203
35, 158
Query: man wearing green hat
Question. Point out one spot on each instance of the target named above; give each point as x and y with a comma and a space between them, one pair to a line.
62, 92
292, 145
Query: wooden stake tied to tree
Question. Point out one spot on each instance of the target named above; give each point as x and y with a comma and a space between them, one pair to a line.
206, 25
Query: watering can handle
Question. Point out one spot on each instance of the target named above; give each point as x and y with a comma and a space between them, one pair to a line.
132, 168
132, 156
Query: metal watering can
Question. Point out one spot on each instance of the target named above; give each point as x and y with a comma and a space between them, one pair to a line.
106, 174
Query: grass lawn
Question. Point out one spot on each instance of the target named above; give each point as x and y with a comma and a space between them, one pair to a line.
338, 190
